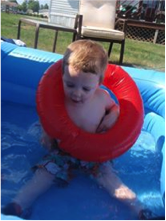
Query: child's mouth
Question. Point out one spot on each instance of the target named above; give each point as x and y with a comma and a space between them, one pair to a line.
76, 102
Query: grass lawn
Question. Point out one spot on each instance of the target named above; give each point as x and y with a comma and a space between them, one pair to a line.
137, 54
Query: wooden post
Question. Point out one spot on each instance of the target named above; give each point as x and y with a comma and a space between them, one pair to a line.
157, 31
155, 36
140, 8
117, 4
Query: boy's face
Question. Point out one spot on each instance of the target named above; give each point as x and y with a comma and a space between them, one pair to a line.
79, 87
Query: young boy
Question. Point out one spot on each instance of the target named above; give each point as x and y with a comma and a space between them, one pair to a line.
92, 109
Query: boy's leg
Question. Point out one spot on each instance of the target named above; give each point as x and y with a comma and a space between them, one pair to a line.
112, 183
40, 183
116, 188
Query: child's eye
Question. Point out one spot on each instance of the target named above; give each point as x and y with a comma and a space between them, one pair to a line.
70, 85
86, 89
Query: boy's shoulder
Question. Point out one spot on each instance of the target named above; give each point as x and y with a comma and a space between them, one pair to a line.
104, 96
103, 93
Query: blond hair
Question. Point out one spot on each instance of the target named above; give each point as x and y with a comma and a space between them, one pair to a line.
87, 56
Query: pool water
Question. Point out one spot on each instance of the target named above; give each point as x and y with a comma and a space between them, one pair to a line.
82, 199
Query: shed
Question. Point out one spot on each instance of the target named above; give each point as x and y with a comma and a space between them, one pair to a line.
63, 12
9, 6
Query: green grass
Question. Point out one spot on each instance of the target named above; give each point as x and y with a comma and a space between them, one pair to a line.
137, 54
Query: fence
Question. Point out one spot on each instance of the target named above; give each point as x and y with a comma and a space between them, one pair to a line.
146, 19
149, 10
144, 31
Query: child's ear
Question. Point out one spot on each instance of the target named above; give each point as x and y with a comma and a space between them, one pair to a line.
101, 79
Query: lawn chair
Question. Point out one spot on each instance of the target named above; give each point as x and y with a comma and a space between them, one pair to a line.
98, 23
62, 17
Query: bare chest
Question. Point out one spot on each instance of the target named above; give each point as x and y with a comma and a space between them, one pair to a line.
87, 117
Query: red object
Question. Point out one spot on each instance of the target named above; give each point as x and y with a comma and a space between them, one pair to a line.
79, 143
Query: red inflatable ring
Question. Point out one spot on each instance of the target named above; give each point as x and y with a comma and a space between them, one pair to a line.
79, 143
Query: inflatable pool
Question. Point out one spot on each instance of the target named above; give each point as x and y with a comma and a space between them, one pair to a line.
142, 168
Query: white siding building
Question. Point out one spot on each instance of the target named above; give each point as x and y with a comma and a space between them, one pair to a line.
9, 6
63, 12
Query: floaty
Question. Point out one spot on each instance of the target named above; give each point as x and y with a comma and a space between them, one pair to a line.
77, 142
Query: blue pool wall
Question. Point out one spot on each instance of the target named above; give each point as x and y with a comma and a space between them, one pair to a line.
22, 68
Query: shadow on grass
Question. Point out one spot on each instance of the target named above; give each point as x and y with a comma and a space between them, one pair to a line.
162, 69
125, 64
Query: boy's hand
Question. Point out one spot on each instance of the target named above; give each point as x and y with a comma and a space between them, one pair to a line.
108, 120
106, 124
46, 141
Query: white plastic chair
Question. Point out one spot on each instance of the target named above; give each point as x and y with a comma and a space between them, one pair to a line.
98, 23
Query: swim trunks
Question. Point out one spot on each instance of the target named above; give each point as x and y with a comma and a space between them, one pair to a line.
62, 165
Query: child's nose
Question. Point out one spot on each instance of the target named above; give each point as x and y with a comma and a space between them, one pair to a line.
77, 93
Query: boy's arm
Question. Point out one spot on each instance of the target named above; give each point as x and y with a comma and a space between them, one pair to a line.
111, 115
46, 140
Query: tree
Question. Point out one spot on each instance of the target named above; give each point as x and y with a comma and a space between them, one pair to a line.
23, 7
41, 6
46, 6
30, 1
33, 5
